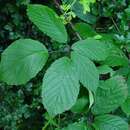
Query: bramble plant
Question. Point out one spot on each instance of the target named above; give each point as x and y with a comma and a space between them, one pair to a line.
74, 81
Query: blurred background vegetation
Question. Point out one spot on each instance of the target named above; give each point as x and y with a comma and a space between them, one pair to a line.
20, 106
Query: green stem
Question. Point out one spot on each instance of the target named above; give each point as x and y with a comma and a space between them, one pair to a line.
59, 121
115, 25
73, 3
46, 125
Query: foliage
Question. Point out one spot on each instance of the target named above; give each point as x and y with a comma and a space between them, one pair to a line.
65, 65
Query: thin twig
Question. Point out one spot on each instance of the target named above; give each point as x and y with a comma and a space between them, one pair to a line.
77, 34
46, 125
115, 25
58, 51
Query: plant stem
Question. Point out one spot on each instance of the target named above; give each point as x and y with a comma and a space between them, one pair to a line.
115, 25
73, 2
45, 126
59, 121
77, 34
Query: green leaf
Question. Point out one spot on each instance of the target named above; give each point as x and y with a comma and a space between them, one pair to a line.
87, 71
86, 5
88, 17
128, 12
91, 48
91, 99
76, 126
48, 22
128, 83
110, 95
60, 87
110, 122
128, 47
22, 60
124, 71
85, 30
116, 57
107, 37
80, 105
104, 69
126, 106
